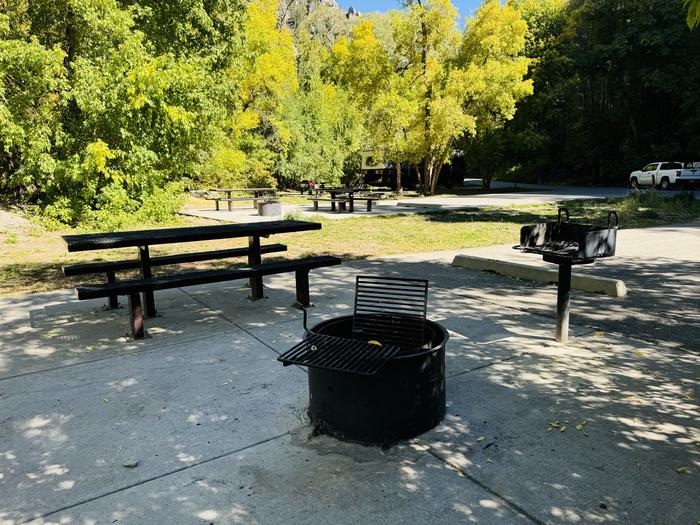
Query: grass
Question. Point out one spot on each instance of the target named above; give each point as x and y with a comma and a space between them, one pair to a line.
32, 258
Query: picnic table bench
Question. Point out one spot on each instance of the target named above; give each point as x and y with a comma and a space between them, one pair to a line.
147, 283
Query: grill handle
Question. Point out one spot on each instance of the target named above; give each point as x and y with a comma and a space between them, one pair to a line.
611, 214
561, 210
306, 318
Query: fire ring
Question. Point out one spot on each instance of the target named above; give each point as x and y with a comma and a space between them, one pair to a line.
405, 398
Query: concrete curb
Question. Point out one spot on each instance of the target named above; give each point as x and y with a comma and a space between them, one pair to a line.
584, 282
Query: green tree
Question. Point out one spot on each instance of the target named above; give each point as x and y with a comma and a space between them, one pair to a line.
326, 134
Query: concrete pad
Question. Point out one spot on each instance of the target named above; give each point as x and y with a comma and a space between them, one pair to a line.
641, 422
55, 329
296, 480
63, 447
66, 433
332, 291
584, 282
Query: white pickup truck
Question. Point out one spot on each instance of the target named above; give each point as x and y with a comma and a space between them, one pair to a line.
689, 176
663, 174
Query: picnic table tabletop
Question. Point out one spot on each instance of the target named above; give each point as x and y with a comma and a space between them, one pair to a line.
242, 189
103, 241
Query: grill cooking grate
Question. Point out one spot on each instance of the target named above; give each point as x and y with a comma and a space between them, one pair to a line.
389, 315
337, 353
391, 310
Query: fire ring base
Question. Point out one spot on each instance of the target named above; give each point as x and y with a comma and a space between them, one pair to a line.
404, 399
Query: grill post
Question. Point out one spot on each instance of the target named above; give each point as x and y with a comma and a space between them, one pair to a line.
563, 302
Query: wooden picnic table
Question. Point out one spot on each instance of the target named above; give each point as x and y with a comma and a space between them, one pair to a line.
258, 194
144, 238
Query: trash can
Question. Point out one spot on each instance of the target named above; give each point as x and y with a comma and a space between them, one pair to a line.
269, 208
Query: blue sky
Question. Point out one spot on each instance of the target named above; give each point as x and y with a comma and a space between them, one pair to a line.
465, 7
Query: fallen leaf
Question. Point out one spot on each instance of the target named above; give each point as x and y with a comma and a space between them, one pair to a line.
480, 439
688, 397
563, 429
683, 470
489, 460
227, 382
105, 400
373, 342
599, 334
581, 425
640, 354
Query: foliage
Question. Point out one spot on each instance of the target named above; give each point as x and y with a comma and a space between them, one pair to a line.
108, 107
693, 17
615, 87
326, 133
95, 120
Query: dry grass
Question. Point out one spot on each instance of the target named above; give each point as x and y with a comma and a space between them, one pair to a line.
32, 257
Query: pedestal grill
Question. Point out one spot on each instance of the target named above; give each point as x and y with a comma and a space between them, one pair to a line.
567, 244
379, 375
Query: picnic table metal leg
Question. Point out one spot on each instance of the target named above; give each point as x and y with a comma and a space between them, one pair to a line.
333, 196
302, 281
352, 203
113, 299
148, 299
369, 205
135, 316
563, 302
256, 283
217, 204
315, 205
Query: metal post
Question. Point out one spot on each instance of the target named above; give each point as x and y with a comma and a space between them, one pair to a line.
563, 302
135, 316
148, 299
113, 300
256, 283
302, 280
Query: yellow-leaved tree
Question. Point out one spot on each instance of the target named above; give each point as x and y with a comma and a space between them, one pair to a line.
461, 80
256, 135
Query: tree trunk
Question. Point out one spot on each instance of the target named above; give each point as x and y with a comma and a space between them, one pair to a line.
399, 188
487, 171
427, 180
436, 176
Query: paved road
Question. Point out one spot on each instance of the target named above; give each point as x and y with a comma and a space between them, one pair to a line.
538, 194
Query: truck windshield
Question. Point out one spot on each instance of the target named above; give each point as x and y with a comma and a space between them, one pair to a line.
649, 167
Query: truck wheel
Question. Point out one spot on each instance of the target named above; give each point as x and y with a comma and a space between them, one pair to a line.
665, 184
634, 183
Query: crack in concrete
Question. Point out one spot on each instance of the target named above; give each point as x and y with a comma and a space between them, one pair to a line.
517, 508
152, 478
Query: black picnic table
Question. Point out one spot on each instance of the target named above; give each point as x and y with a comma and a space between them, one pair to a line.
335, 192
142, 239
